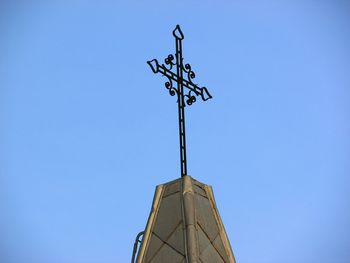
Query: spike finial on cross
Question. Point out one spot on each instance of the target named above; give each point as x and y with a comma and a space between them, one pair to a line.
189, 96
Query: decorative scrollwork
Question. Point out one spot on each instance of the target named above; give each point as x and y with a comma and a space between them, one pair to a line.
169, 61
190, 98
190, 73
187, 68
187, 91
169, 85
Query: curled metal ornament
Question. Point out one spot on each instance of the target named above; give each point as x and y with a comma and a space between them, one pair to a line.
190, 98
190, 73
169, 61
169, 85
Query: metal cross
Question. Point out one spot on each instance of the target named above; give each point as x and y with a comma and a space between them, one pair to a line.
188, 95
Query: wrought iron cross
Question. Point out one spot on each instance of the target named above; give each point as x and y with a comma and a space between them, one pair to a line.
188, 95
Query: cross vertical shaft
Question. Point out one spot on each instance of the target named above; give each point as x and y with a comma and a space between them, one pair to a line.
181, 107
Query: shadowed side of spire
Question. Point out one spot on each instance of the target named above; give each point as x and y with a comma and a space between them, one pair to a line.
184, 226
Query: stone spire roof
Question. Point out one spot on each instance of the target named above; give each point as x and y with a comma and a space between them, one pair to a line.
184, 226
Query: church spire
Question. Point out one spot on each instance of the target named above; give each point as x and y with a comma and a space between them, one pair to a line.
185, 226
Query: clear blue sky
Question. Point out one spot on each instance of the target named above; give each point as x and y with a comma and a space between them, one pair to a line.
88, 131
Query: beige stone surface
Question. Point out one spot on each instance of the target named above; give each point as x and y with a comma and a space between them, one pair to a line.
184, 226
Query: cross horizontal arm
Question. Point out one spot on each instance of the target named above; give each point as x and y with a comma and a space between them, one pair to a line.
156, 67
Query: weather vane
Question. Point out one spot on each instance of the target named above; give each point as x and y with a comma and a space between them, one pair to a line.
183, 95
